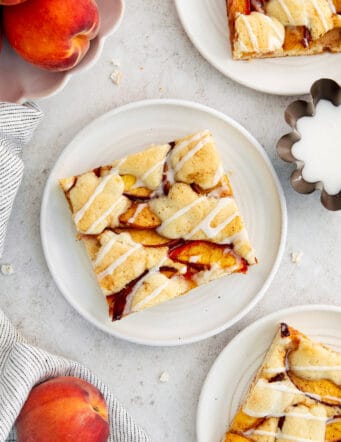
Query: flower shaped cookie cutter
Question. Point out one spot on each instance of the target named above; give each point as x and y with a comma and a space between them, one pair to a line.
324, 89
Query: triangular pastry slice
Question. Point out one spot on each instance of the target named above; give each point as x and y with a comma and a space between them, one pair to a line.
158, 223
295, 396
278, 28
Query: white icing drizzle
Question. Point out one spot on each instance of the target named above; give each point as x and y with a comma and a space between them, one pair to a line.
316, 368
130, 297
303, 368
307, 416
278, 435
274, 370
170, 172
274, 42
152, 169
169, 176
274, 27
218, 175
321, 16
191, 153
151, 296
332, 6
205, 224
284, 388
242, 46
234, 238
252, 35
109, 270
117, 168
100, 187
92, 229
140, 182
138, 210
287, 11
180, 213
104, 250
185, 143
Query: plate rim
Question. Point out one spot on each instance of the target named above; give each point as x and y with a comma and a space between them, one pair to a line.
235, 78
283, 215
255, 324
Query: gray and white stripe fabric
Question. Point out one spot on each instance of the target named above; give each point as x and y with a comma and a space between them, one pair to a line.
23, 365
17, 124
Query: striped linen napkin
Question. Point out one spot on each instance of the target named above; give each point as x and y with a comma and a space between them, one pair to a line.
17, 124
23, 365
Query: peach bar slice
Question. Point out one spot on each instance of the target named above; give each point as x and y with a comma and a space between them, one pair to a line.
295, 396
158, 223
278, 28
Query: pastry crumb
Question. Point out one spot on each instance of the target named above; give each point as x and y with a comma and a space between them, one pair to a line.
7, 269
115, 62
296, 257
161, 90
116, 77
164, 377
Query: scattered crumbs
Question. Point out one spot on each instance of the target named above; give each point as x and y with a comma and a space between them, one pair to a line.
115, 63
164, 377
230, 172
116, 77
219, 297
296, 257
161, 90
152, 402
141, 68
7, 269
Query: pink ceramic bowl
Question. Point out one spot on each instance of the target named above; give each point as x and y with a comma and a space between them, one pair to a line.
21, 81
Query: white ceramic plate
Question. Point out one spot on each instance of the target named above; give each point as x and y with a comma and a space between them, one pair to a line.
207, 310
205, 22
231, 374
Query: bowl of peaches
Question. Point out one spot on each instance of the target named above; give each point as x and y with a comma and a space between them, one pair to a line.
44, 42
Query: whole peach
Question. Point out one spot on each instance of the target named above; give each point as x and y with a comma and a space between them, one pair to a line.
64, 409
52, 34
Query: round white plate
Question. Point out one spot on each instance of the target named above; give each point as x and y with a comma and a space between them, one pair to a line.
205, 22
207, 310
232, 372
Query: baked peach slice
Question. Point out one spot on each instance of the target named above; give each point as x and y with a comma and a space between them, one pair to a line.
221, 190
139, 216
243, 422
321, 387
333, 430
132, 191
203, 254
